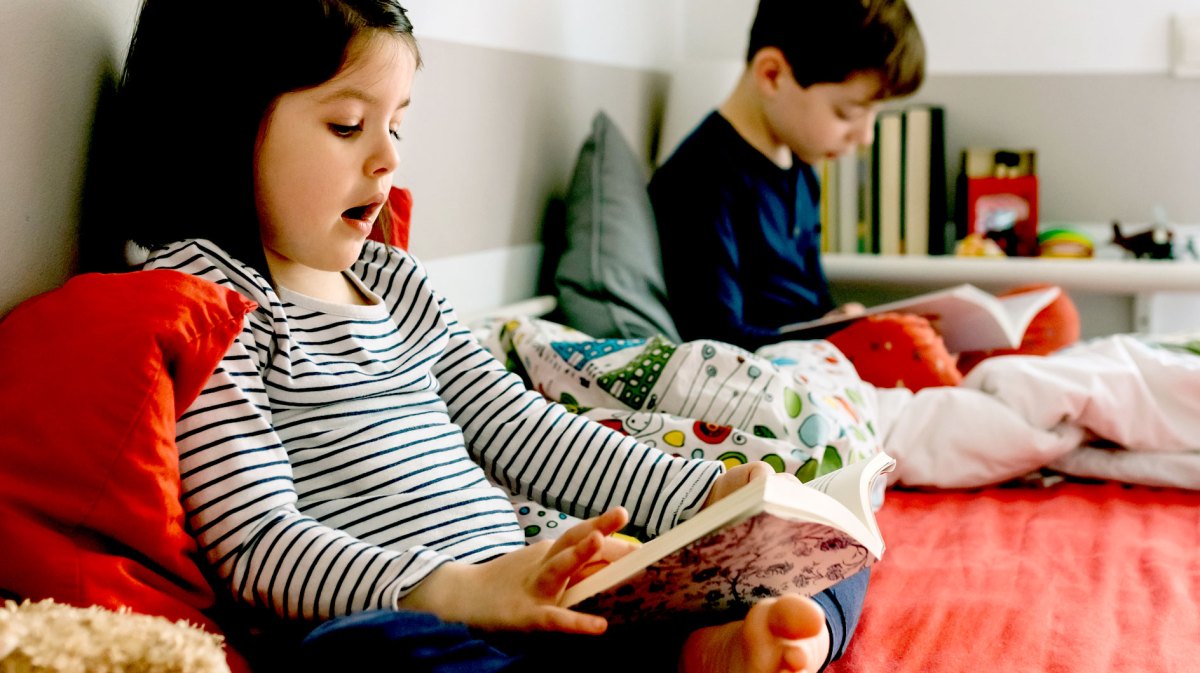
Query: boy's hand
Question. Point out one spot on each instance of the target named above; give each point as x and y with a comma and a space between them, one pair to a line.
520, 590
849, 310
736, 478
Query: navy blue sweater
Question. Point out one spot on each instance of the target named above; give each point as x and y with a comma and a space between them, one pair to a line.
740, 239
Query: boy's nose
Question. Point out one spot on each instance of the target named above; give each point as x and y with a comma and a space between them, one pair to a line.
864, 132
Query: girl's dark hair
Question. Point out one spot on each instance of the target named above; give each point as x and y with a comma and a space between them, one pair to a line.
199, 80
827, 41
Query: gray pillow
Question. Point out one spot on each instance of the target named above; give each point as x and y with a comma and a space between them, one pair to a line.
609, 278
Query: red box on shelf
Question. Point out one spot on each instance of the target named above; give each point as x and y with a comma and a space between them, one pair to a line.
1005, 210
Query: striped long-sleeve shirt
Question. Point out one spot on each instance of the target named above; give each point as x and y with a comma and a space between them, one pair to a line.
339, 454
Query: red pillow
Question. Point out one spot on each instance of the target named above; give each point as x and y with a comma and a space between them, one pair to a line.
400, 203
92, 378
897, 350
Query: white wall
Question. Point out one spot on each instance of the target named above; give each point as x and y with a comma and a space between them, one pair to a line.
991, 36
1049, 36
634, 33
53, 55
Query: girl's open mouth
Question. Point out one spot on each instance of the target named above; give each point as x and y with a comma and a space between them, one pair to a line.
361, 213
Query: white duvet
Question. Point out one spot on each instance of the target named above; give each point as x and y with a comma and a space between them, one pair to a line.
1121, 407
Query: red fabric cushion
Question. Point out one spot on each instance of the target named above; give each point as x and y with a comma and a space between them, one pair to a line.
92, 377
1102, 578
897, 350
1053, 328
400, 202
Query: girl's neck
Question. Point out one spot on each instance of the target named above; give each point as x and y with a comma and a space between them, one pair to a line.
328, 286
745, 113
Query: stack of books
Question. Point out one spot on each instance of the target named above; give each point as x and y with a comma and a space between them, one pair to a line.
890, 197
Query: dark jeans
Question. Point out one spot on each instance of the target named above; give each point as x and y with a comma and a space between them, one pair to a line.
420, 642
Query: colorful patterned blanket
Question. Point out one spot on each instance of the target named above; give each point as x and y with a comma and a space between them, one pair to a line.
799, 405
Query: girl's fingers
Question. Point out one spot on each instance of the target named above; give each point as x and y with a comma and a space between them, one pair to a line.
606, 524
569, 621
559, 567
612, 521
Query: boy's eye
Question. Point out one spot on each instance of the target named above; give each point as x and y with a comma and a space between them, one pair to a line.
344, 130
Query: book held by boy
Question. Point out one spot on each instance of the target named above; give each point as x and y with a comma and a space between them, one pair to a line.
771, 537
967, 318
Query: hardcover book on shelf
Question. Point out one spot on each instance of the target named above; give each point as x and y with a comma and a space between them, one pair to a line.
866, 199
847, 212
827, 207
773, 536
967, 318
926, 230
889, 182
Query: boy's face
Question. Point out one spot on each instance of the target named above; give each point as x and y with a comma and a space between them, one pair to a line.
821, 121
325, 158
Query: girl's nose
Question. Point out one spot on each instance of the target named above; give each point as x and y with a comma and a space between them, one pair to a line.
385, 158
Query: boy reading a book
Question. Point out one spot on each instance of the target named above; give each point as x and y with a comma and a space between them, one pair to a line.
737, 203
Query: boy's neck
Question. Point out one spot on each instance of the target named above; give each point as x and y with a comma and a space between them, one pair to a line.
744, 112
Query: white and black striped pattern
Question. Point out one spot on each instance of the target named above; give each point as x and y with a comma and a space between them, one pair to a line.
340, 454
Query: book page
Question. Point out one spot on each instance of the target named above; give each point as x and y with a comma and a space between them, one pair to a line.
967, 318
1023, 308
851, 485
927, 303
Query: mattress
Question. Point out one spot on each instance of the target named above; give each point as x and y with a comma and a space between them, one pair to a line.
1095, 577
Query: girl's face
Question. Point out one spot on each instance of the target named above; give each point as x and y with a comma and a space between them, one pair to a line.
324, 162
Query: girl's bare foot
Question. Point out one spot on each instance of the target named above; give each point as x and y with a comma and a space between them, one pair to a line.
778, 634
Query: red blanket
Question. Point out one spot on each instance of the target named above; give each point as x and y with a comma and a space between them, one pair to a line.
1096, 578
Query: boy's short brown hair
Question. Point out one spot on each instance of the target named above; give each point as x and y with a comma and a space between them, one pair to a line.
827, 41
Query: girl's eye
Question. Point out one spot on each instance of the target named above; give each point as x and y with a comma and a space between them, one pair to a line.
344, 130
395, 134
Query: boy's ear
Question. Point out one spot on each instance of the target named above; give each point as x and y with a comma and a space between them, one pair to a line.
769, 67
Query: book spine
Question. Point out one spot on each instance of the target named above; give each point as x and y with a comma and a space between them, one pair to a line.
866, 199
942, 233
917, 145
889, 188
927, 228
848, 208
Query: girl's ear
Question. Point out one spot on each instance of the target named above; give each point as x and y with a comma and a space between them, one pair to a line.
768, 68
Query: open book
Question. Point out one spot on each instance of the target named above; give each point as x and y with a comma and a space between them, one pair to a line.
968, 318
770, 537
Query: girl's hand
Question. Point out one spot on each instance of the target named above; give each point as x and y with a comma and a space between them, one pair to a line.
520, 590
736, 478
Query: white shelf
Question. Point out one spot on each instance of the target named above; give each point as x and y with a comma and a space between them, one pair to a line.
1128, 277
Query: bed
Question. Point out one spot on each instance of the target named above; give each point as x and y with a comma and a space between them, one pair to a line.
997, 561
1043, 516
1081, 577
985, 570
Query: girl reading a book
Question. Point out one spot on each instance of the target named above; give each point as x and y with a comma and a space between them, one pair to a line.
350, 460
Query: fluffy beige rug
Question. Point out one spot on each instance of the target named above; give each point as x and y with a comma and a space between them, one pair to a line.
48, 637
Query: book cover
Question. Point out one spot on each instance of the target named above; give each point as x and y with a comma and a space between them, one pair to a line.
967, 318
771, 537
889, 183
